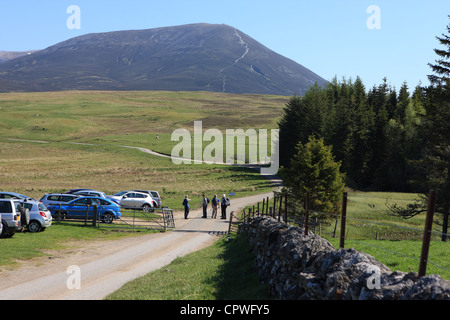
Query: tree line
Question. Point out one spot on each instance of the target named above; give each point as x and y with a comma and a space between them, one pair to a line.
375, 134
380, 138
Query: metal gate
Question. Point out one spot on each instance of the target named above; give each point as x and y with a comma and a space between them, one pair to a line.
153, 219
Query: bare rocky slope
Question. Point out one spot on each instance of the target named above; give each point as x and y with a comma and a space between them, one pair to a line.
195, 57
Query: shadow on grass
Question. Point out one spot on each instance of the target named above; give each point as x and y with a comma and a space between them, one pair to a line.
236, 278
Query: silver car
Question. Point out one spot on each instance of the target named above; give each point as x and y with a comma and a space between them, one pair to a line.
40, 216
137, 200
56, 198
155, 196
10, 211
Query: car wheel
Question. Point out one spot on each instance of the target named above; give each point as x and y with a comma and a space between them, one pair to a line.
146, 207
4, 233
34, 226
108, 218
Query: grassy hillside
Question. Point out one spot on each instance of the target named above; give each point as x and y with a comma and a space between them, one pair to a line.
109, 119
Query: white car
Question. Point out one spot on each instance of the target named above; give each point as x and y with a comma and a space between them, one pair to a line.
137, 200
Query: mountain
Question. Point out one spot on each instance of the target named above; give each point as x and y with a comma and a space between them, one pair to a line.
9, 55
195, 57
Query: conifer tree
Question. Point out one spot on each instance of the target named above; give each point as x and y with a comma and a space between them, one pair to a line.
442, 66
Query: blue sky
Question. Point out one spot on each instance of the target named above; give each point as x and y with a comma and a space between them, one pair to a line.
330, 37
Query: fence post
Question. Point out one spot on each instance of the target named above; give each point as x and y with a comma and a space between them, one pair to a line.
427, 233
279, 209
306, 213
231, 219
274, 206
267, 206
94, 216
285, 208
87, 214
264, 202
343, 218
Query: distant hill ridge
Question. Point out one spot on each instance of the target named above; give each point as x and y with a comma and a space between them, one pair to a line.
195, 57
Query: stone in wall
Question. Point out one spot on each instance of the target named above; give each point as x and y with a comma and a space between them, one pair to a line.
308, 267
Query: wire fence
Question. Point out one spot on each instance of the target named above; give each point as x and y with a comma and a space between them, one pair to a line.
343, 226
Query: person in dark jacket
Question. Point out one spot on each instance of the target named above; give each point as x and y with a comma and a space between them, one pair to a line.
224, 203
186, 206
205, 202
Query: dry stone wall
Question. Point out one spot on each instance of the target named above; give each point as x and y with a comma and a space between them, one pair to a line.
308, 267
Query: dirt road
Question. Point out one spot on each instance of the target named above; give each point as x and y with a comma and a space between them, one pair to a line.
105, 266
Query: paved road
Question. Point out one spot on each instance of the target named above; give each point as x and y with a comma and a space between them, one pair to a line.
107, 265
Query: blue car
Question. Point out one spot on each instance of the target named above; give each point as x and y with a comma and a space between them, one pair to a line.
107, 210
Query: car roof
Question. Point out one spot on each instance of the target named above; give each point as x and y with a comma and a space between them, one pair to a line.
136, 191
90, 197
14, 194
76, 190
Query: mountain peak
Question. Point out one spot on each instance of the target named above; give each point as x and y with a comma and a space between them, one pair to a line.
193, 57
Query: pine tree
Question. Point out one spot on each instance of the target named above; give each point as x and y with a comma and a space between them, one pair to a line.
435, 126
314, 170
442, 68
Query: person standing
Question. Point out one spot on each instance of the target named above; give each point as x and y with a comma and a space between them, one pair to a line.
215, 206
205, 202
186, 206
224, 203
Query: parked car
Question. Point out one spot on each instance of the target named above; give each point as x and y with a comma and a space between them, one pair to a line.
91, 193
56, 198
12, 195
107, 210
155, 196
10, 212
137, 200
40, 217
76, 190
117, 197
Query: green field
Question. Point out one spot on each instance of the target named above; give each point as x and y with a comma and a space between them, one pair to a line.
394, 241
112, 119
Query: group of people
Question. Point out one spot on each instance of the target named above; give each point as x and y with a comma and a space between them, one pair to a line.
223, 203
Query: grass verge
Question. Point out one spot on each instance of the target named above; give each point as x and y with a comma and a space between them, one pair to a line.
59, 237
222, 271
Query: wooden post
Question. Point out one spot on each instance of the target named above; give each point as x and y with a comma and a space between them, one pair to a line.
343, 218
306, 213
267, 206
427, 233
231, 219
285, 208
94, 216
264, 202
274, 207
279, 209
